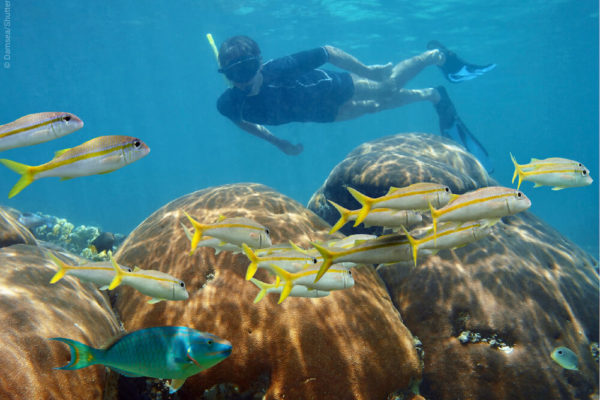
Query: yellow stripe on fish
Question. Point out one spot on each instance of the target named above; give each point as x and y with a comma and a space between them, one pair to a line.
289, 260
100, 155
236, 230
338, 278
492, 202
156, 284
384, 217
557, 172
382, 250
412, 197
277, 287
37, 128
451, 236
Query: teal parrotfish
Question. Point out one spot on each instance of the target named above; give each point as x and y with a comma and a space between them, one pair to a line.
37, 128
100, 155
165, 352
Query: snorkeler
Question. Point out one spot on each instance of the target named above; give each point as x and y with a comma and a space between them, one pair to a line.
295, 89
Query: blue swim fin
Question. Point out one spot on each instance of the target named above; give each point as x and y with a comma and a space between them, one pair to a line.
457, 70
452, 127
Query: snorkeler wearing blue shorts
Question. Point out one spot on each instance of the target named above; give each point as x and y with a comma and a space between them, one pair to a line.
295, 89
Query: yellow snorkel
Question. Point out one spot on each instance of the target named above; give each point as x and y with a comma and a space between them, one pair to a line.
211, 41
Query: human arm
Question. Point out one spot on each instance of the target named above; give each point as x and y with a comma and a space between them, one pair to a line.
348, 62
263, 133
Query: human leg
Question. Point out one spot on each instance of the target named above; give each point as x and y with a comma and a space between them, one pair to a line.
407, 69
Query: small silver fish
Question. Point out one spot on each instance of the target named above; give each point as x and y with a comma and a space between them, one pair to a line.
564, 357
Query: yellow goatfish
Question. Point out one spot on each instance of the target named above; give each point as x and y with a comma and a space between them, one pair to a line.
156, 284
558, 172
382, 250
37, 128
290, 260
493, 202
412, 197
450, 236
236, 230
277, 287
97, 156
214, 243
337, 278
384, 217
101, 273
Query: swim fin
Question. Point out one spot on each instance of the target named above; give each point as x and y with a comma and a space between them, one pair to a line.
455, 69
452, 127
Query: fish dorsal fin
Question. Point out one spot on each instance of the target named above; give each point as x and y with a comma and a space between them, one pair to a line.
136, 269
533, 160
60, 152
154, 300
221, 218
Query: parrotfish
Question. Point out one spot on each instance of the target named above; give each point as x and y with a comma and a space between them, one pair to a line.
558, 172
97, 156
384, 217
277, 287
335, 278
290, 260
37, 128
564, 357
382, 250
165, 352
412, 197
493, 202
101, 273
236, 230
449, 236
156, 284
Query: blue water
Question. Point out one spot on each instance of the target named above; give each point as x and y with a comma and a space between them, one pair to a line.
145, 69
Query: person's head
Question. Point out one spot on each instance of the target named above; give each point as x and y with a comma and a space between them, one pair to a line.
239, 59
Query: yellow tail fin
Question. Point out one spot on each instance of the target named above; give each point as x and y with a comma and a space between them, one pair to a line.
26, 175
253, 261
263, 289
344, 214
518, 171
288, 278
414, 244
365, 201
62, 268
118, 273
434, 218
327, 260
198, 229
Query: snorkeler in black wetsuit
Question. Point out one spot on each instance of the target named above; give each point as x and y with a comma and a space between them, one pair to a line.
295, 88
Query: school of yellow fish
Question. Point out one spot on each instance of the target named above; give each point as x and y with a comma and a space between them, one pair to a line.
457, 220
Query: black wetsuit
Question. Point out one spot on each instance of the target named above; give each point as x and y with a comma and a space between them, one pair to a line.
293, 89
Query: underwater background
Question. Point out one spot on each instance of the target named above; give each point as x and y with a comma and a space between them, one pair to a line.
145, 69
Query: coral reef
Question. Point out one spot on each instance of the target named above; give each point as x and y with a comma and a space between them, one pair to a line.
351, 344
488, 314
34, 311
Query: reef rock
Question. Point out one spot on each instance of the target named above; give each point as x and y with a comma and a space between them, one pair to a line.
488, 314
11, 231
34, 311
351, 344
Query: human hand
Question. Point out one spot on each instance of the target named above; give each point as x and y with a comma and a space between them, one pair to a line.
291, 149
378, 72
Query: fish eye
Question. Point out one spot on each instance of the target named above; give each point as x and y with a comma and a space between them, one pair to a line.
209, 342
584, 172
267, 231
314, 260
519, 194
447, 189
560, 352
67, 118
137, 144
581, 165
349, 272
182, 284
